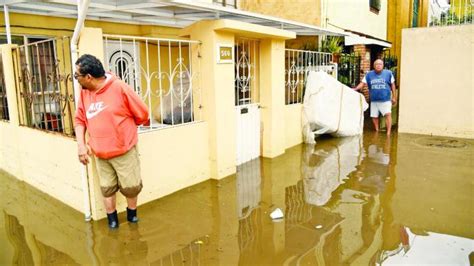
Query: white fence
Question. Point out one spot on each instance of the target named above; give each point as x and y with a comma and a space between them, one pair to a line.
298, 63
164, 72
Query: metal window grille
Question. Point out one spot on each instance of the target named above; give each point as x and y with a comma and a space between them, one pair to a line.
298, 64
45, 89
246, 71
163, 72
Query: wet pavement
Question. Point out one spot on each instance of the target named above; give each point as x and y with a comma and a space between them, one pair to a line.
350, 201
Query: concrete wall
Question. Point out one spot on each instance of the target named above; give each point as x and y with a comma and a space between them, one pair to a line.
305, 11
436, 89
293, 126
45, 160
171, 159
355, 15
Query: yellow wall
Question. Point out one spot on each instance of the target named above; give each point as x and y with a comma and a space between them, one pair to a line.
218, 89
400, 17
305, 11
171, 159
272, 95
217, 97
293, 126
355, 15
437, 99
45, 160
48, 161
303, 43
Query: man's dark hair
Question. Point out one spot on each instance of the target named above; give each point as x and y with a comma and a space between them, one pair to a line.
89, 64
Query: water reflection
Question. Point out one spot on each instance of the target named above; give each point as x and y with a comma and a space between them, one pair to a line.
363, 201
325, 167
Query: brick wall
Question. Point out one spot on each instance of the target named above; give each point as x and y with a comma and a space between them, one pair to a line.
361, 50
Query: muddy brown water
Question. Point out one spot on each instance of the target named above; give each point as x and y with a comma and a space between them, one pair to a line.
367, 200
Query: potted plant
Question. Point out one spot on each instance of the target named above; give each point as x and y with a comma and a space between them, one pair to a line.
333, 45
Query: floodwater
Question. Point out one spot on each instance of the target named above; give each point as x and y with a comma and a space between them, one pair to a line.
350, 201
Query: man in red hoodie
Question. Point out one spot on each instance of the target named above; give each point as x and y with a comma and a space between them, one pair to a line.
110, 111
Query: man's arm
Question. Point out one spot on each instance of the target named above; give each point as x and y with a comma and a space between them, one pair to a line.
137, 107
359, 87
394, 93
83, 151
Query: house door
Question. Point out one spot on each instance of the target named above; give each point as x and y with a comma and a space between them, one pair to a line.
247, 109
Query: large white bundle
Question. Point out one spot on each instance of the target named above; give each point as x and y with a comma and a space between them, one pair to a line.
330, 107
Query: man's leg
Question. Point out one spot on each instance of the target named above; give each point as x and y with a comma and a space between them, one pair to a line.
374, 114
375, 120
388, 123
108, 187
132, 209
112, 217
109, 203
132, 203
127, 167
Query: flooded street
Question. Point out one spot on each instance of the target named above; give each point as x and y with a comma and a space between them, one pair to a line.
349, 201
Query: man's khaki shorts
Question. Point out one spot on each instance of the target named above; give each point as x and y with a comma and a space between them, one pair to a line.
120, 173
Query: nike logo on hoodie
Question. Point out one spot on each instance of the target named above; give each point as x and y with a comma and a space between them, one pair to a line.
95, 109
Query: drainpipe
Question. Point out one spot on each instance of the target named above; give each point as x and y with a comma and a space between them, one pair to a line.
82, 7
7, 24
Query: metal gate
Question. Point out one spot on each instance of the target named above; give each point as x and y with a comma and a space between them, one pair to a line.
247, 108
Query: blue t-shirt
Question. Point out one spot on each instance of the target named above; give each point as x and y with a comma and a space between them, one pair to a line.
379, 85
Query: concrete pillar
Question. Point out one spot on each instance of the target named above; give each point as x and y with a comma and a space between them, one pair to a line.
218, 99
218, 89
91, 42
10, 85
272, 96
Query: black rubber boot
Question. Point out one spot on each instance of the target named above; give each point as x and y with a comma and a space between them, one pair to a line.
113, 220
132, 215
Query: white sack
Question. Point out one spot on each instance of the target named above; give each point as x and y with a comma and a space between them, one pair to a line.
330, 107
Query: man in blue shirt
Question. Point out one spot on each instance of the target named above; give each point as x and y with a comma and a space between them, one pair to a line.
382, 93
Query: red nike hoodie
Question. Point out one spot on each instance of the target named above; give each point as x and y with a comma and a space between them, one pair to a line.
111, 116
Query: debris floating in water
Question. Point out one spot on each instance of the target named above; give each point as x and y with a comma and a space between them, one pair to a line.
319, 226
276, 214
